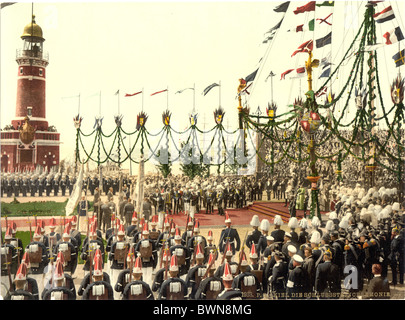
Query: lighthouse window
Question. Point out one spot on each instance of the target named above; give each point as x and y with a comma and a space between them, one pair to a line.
40, 72
21, 70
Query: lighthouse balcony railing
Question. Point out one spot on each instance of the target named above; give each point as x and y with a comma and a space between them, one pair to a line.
21, 53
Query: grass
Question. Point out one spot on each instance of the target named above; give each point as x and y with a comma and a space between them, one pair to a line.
38, 208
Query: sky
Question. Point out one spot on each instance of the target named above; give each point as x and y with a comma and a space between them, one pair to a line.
132, 46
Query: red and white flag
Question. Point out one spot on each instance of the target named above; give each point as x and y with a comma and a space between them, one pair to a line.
305, 47
393, 36
386, 15
285, 73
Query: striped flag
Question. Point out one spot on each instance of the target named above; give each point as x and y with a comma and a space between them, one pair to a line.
386, 15
393, 36
324, 41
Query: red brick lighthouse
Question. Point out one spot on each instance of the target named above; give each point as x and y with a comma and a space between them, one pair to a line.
29, 141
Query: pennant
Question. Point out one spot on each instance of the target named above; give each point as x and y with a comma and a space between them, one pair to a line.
322, 92
117, 93
326, 4
158, 92
251, 76
393, 36
285, 73
324, 41
386, 15
301, 72
310, 6
132, 94
305, 47
181, 91
282, 7
207, 89
399, 58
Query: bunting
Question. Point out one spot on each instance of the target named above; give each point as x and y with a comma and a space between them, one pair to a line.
251, 76
282, 7
324, 41
399, 58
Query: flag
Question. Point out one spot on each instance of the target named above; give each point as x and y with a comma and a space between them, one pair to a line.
207, 89
305, 47
324, 20
324, 41
310, 6
277, 26
117, 93
300, 73
132, 94
399, 58
158, 92
181, 91
76, 194
285, 73
322, 92
300, 70
326, 72
386, 15
251, 76
393, 36
309, 27
282, 7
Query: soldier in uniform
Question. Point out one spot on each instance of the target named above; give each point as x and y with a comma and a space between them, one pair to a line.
147, 250
39, 258
99, 289
9, 258
174, 288
69, 252
246, 281
229, 292
196, 273
279, 274
117, 255
210, 246
58, 290
183, 254
90, 247
230, 235
227, 257
210, 286
262, 243
137, 289
278, 233
254, 236
327, 278
128, 211
297, 284
97, 203
20, 291
16, 242
196, 239
176, 200
161, 274
396, 256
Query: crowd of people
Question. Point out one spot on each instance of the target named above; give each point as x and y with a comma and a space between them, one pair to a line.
352, 252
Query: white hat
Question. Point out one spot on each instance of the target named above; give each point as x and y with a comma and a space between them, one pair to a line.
344, 223
330, 226
292, 249
265, 225
270, 238
287, 234
395, 206
315, 237
303, 223
332, 215
315, 222
297, 258
293, 223
278, 221
255, 222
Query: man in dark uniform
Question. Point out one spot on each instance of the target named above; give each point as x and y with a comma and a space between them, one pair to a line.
182, 252
68, 250
230, 292
278, 278
210, 286
278, 233
19, 291
137, 289
128, 211
196, 273
58, 290
254, 236
396, 256
100, 289
327, 278
297, 284
230, 235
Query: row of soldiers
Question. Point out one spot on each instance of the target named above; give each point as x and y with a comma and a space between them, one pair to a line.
356, 244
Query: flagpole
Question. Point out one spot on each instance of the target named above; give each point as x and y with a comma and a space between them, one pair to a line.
99, 105
78, 107
194, 98
219, 93
142, 98
118, 94
167, 98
